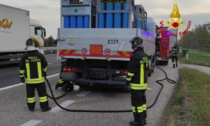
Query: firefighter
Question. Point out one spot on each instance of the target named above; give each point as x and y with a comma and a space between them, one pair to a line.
67, 86
33, 70
174, 55
137, 78
60, 83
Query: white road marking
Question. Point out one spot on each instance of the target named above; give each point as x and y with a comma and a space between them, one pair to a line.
64, 104
149, 89
84, 93
53, 75
32, 123
19, 84
49, 63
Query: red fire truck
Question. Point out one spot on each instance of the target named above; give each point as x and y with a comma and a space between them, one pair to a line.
162, 45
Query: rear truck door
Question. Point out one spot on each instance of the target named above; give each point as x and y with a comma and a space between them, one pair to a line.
164, 45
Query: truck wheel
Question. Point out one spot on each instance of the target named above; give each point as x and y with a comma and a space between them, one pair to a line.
68, 87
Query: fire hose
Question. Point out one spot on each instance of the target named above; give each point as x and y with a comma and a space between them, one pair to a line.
111, 111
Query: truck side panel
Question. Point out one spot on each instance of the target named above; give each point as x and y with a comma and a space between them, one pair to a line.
13, 38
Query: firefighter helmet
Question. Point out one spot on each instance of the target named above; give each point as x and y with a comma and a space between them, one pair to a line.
136, 42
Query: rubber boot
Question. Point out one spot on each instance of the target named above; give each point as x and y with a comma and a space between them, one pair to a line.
133, 123
138, 120
176, 65
45, 110
145, 122
59, 85
173, 66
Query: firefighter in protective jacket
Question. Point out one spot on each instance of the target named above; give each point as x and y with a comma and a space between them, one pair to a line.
174, 55
33, 69
137, 78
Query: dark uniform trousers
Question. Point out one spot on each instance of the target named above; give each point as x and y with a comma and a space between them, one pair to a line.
137, 78
138, 101
31, 100
174, 56
33, 68
174, 59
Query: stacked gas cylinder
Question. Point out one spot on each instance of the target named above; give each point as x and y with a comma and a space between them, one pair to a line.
76, 21
113, 20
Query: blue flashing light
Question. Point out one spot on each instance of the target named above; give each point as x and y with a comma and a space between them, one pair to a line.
144, 33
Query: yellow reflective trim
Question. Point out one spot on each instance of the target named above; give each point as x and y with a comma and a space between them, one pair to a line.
142, 74
28, 71
43, 99
39, 69
34, 81
22, 71
60, 80
45, 69
140, 109
144, 107
21, 75
134, 109
130, 74
128, 79
31, 100
138, 86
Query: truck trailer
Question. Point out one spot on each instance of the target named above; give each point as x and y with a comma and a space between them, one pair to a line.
94, 40
15, 28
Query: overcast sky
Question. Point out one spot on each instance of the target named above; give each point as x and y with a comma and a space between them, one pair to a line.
48, 11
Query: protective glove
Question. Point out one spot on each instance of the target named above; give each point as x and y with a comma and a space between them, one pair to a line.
22, 79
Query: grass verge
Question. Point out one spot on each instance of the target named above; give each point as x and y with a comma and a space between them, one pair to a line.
197, 58
191, 106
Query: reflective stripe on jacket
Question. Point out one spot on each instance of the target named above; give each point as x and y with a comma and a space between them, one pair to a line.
33, 65
137, 70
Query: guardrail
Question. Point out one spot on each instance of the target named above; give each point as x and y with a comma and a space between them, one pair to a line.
49, 50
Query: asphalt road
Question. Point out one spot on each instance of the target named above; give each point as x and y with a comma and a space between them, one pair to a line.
14, 111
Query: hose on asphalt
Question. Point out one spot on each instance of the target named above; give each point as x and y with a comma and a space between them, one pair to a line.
111, 111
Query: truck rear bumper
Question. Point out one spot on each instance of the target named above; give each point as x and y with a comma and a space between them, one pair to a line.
71, 76
102, 82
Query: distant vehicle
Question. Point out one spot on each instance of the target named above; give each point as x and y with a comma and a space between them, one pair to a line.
164, 42
94, 40
15, 28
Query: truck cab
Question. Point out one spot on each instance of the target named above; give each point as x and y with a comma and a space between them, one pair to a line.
37, 33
